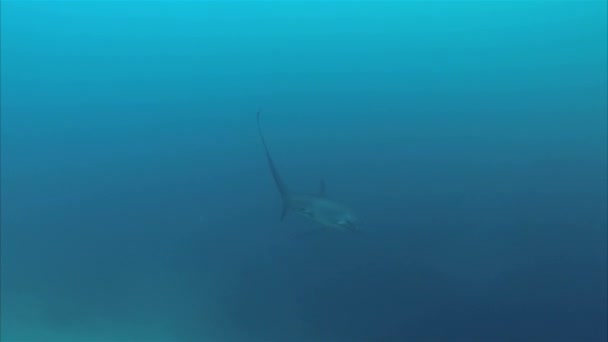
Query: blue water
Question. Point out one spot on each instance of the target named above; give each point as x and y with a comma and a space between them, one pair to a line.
470, 138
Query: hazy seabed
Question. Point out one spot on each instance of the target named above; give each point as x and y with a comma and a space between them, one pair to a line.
468, 136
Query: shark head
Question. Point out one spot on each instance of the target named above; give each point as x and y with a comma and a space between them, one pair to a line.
324, 211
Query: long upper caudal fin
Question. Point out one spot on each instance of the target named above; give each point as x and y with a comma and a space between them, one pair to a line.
275, 174
322, 188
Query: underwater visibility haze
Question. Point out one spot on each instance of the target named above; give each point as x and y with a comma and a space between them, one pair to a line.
450, 156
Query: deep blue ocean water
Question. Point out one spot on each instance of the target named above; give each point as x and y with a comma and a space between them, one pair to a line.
469, 136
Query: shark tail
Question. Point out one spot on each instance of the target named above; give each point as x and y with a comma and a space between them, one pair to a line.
281, 187
285, 209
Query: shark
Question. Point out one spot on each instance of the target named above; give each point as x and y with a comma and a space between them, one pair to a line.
318, 208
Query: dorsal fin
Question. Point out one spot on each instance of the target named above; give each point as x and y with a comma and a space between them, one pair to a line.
322, 188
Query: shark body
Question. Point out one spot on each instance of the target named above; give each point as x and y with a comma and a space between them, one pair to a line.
316, 207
